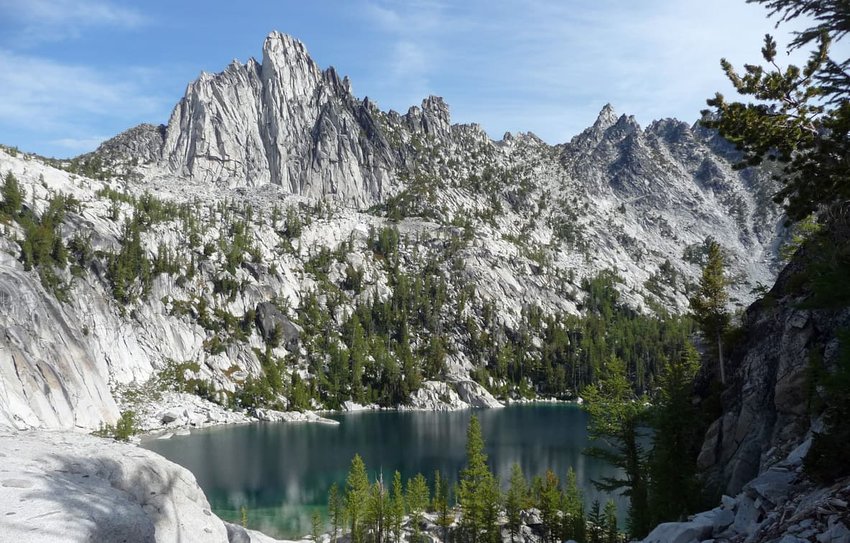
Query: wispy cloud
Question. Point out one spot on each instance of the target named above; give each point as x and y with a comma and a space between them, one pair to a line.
45, 96
42, 21
414, 29
549, 66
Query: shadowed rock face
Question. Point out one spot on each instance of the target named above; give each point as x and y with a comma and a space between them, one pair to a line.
766, 403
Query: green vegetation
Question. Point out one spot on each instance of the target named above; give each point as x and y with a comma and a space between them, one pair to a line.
674, 487
575, 348
661, 481
130, 271
42, 246
357, 498
377, 514
616, 416
708, 304
13, 196
827, 458
478, 493
801, 119
124, 429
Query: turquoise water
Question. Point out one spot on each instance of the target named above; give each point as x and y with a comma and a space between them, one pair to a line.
281, 472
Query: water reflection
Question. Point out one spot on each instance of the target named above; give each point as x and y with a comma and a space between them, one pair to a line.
282, 472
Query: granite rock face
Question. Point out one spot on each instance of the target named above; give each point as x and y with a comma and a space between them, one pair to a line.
282, 121
780, 505
49, 375
766, 404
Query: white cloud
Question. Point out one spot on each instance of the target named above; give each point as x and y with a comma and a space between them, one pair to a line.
38, 95
414, 29
549, 66
56, 20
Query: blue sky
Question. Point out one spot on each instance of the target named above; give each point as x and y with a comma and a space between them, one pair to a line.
75, 72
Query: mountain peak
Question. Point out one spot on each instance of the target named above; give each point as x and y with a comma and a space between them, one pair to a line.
283, 42
607, 117
282, 51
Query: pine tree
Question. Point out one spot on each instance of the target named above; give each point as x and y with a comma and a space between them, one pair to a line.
574, 526
612, 534
378, 510
397, 507
13, 196
550, 505
616, 416
801, 117
676, 441
316, 525
358, 351
478, 494
596, 523
441, 504
515, 500
418, 497
357, 498
708, 305
336, 510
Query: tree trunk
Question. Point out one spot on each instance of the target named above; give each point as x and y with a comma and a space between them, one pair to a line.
720, 359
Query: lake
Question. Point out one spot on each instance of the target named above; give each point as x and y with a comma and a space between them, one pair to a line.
281, 472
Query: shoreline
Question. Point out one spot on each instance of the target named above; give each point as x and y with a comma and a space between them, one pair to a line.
318, 416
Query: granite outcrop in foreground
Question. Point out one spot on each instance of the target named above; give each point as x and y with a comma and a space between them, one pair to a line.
71, 487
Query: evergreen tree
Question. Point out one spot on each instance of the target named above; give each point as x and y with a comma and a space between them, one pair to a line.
418, 497
358, 351
708, 305
336, 510
478, 494
596, 523
612, 534
615, 418
378, 511
357, 498
13, 196
574, 526
397, 507
441, 504
550, 505
515, 500
316, 525
675, 491
801, 118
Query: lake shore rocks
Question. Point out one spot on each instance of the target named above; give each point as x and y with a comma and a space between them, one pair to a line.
451, 396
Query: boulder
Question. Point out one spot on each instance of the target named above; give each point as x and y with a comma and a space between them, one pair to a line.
271, 322
772, 485
475, 395
680, 532
170, 416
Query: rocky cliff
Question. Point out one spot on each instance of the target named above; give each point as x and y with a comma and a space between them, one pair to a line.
790, 342
770, 403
